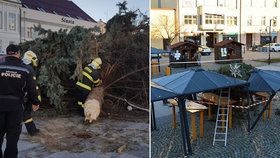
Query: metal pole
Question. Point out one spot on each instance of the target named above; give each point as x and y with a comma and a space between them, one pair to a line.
186, 125
153, 120
248, 110
269, 60
181, 111
260, 114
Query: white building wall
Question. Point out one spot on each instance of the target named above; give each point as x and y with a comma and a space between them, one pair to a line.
257, 10
158, 28
203, 7
8, 36
31, 18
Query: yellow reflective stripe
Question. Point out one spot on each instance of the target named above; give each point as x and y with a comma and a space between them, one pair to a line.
88, 69
39, 98
88, 76
80, 103
96, 81
29, 120
83, 86
34, 78
37, 87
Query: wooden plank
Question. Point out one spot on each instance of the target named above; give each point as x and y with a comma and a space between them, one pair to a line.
201, 128
174, 115
193, 126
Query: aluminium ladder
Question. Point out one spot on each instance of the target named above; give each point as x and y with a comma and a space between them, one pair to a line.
221, 128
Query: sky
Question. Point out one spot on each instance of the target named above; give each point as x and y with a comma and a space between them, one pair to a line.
106, 9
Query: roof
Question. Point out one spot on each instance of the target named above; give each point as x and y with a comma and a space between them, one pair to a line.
226, 42
61, 7
159, 93
180, 44
195, 81
158, 51
264, 81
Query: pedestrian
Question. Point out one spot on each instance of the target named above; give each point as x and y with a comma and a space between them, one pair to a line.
31, 61
15, 80
91, 78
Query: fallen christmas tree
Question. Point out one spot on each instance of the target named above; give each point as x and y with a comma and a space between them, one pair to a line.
124, 49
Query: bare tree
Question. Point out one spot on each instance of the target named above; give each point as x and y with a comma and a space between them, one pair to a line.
162, 28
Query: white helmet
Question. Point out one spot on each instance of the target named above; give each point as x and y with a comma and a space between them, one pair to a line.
30, 57
96, 63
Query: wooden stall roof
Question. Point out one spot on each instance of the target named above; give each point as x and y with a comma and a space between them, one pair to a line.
226, 42
180, 44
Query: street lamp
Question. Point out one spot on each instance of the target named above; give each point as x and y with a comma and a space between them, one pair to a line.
270, 37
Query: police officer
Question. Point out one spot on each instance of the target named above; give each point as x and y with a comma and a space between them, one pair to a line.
31, 61
15, 80
91, 78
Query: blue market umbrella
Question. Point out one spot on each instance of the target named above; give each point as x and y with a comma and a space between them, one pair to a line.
160, 93
195, 81
264, 81
191, 82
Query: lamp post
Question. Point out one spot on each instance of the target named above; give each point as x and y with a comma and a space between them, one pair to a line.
270, 37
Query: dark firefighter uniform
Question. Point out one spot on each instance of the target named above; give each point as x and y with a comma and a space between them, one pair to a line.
27, 119
15, 80
91, 78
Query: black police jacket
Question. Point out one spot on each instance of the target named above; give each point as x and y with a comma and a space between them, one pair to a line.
15, 81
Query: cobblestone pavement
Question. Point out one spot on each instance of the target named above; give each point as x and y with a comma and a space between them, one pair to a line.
263, 141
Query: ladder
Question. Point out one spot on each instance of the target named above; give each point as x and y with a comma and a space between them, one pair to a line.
221, 128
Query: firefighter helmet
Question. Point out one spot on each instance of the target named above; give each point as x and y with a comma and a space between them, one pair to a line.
30, 57
96, 63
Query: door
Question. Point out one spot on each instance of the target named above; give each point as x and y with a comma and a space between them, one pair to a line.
249, 39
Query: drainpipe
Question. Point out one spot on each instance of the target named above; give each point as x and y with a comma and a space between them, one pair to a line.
19, 24
159, 3
240, 21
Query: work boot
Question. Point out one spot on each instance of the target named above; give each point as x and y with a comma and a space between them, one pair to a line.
31, 128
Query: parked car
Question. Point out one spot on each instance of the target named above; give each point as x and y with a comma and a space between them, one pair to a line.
204, 50
275, 47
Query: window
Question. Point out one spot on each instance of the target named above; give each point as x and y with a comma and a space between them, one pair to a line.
232, 20
40, 9
249, 21
164, 20
25, 6
275, 3
29, 32
232, 4
12, 21
221, 3
189, 3
190, 19
274, 21
1, 20
263, 21
78, 17
214, 19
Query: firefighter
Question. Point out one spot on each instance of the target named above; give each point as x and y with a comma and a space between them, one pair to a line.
91, 78
15, 81
31, 61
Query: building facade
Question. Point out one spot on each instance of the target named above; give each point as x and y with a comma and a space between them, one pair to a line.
164, 26
9, 23
51, 15
18, 18
208, 22
260, 19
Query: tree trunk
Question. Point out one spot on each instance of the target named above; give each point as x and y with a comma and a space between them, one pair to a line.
93, 104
